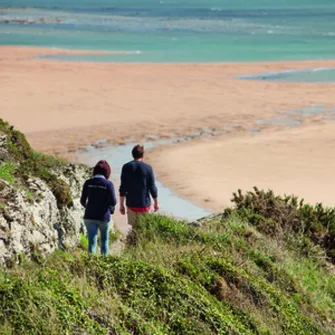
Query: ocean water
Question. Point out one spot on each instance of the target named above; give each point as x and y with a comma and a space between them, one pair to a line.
314, 75
175, 31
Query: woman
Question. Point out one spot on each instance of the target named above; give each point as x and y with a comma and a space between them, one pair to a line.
98, 198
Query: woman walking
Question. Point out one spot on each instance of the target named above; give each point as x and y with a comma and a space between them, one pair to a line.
98, 198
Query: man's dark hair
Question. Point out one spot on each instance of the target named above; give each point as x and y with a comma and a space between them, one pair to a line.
138, 151
102, 167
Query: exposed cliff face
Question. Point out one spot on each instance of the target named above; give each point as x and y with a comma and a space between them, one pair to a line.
39, 199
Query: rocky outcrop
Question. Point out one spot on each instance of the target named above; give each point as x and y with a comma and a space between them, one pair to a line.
31, 221
39, 201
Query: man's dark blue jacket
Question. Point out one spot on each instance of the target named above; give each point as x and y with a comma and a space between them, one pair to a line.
97, 197
137, 184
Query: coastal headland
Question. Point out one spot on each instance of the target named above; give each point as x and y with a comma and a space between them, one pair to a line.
64, 106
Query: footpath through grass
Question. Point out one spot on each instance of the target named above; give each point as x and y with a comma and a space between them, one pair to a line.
229, 276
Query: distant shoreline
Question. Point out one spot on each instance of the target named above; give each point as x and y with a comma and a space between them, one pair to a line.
38, 51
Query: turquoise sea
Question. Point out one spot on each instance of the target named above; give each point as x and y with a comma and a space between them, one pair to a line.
178, 30
175, 30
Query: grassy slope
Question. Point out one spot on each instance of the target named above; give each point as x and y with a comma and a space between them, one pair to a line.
262, 268
223, 278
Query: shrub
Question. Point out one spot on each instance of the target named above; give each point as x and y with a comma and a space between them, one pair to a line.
275, 215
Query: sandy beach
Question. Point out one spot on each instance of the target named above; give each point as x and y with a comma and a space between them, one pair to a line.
296, 161
62, 106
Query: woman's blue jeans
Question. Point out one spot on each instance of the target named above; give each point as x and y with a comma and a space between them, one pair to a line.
92, 227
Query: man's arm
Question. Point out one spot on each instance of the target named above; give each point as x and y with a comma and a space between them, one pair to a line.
122, 207
156, 205
123, 191
153, 189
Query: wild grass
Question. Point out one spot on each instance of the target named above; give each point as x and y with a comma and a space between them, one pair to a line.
7, 170
225, 277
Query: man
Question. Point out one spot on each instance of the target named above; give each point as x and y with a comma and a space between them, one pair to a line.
137, 184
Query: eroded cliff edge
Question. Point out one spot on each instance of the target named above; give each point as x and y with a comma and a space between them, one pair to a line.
39, 199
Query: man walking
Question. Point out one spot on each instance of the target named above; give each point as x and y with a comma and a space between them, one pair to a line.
137, 184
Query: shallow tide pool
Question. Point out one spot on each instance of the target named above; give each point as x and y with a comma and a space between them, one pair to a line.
317, 75
170, 203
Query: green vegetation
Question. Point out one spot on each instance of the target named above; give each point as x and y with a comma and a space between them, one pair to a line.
83, 242
264, 267
21, 162
227, 276
7, 170
274, 215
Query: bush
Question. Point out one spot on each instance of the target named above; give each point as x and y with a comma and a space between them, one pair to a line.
275, 215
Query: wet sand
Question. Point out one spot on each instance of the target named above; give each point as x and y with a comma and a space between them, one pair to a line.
63, 106
296, 161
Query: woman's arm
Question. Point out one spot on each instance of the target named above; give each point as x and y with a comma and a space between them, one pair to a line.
112, 197
83, 198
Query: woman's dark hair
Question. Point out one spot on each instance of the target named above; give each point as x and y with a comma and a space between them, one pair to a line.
102, 167
138, 151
